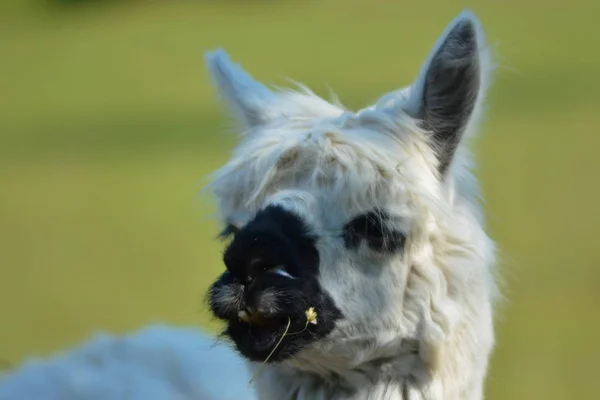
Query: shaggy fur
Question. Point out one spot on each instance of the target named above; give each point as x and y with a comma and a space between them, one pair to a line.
154, 363
387, 195
417, 320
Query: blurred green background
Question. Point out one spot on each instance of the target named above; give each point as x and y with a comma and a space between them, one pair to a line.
109, 125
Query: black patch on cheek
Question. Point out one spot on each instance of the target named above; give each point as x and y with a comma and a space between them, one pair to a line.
371, 228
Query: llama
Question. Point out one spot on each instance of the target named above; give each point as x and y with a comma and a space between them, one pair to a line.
357, 265
370, 221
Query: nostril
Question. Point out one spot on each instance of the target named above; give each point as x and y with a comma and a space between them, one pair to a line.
256, 267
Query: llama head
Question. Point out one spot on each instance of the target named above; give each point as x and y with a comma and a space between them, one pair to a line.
357, 215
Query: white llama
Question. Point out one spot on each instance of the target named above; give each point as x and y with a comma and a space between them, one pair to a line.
358, 264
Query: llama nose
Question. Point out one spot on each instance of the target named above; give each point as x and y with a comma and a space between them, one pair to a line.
256, 267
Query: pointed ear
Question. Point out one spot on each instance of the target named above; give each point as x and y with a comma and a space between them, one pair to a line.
250, 101
450, 86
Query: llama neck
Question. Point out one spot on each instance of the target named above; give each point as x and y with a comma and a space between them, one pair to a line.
387, 379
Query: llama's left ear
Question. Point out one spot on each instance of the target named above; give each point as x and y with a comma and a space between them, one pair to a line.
450, 86
251, 102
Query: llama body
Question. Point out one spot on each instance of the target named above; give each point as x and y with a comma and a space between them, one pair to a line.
370, 218
157, 362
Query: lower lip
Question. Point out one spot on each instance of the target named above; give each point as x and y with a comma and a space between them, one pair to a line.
264, 339
264, 336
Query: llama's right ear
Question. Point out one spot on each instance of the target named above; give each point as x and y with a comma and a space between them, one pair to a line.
250, 101
450, 86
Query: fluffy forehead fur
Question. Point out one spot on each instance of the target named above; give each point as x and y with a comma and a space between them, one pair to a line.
424, 312
348, 163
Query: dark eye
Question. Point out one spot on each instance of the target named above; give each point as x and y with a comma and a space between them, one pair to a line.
373, 229
230, 230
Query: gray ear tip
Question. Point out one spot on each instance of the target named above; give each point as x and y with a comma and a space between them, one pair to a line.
468, 26
467, 16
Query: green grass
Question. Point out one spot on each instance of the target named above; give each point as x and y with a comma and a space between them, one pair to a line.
108, 127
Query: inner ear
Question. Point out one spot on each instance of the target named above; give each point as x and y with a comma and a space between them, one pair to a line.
445, 95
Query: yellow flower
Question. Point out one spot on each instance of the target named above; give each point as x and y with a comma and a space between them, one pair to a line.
311, 316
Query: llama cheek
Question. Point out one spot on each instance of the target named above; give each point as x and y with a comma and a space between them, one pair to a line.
225, 304
225, 297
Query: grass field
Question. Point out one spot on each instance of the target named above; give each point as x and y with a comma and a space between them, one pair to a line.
108, 126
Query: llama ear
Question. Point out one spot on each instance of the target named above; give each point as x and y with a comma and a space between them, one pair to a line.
250, 101
449, 86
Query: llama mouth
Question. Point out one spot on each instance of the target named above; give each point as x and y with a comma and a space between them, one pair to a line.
281, 317
272, 318
258, 337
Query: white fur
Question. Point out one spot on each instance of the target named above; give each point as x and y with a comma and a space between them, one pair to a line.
417, 325
154, 363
